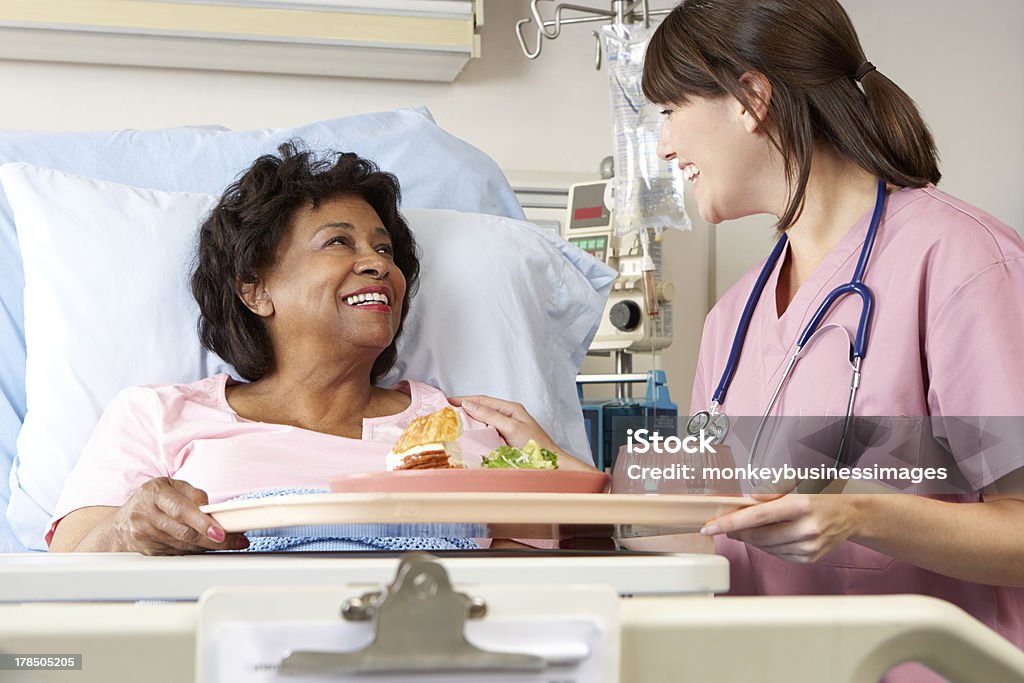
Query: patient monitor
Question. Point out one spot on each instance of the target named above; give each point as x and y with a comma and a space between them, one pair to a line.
628, 323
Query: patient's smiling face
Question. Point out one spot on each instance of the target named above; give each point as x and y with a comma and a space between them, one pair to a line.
335, 282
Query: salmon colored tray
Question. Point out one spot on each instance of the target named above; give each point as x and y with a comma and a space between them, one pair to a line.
475, 480
498, 515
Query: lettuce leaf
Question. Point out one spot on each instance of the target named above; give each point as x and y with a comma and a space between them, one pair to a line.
529, 457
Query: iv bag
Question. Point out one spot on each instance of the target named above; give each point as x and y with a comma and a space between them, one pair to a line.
648, 191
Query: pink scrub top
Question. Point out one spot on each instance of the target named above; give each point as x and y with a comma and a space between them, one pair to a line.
190, 432
948, 281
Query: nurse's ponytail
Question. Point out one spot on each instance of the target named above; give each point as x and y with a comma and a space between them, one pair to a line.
903, 132
809, 53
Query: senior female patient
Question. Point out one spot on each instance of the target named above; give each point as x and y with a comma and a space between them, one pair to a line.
304, 274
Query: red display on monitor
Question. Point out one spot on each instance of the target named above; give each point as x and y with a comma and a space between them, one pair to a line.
586, 213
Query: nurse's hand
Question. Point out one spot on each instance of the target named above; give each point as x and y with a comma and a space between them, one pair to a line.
797, 527
515, 425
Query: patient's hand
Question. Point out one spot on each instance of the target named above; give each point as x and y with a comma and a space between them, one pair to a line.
161, 518
515, 425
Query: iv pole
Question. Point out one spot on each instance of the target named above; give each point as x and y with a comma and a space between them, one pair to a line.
622, 13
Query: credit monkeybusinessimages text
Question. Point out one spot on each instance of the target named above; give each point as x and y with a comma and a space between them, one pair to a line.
679, 471
643, 441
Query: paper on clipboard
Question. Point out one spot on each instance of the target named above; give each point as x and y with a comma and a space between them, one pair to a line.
250, 652
244, 633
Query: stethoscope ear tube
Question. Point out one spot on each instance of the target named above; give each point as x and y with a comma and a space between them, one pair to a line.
860, 344
744, 324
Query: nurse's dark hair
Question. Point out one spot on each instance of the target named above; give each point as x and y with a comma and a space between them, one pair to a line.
810, 54
240, 237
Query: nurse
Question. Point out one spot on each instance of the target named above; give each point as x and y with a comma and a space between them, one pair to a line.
773, 108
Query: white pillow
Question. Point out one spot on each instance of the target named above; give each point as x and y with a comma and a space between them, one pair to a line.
107, 306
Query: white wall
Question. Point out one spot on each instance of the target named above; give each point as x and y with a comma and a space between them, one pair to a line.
962, 62
548, 115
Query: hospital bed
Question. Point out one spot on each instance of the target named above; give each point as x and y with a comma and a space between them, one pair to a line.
678, 636
133, 617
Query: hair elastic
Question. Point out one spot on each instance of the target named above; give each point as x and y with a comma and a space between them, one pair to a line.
864, 70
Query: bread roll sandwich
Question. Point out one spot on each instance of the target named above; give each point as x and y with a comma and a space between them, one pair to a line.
429, 442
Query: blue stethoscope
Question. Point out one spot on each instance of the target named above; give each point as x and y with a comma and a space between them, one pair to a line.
715, 422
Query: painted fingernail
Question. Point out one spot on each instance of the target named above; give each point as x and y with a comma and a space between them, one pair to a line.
216, 533
710, 530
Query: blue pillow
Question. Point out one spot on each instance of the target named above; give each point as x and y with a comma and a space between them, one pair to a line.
436, 170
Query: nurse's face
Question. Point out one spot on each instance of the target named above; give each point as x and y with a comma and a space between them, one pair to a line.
720, 156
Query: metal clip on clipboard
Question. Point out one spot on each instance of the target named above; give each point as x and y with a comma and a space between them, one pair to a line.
420, 628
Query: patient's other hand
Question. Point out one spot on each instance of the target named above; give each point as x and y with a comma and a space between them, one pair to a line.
515, 425
161, 518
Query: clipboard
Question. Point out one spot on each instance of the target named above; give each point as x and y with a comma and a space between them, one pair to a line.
417, 629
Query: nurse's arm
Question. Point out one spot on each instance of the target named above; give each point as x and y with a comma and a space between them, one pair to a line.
978, 542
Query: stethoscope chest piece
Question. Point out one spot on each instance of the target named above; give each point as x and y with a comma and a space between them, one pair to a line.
715, 424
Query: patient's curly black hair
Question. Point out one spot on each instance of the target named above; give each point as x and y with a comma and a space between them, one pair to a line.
242, 233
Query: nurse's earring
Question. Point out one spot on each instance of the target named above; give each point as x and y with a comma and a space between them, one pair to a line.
255, 297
